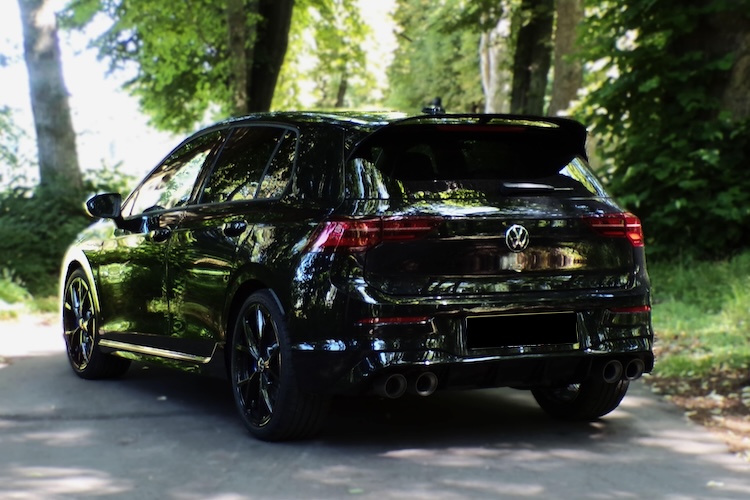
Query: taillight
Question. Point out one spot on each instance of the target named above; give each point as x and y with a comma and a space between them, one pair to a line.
620, 225
357, 235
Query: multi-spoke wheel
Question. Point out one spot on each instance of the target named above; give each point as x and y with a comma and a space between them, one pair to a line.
79, 318
587, 400
265, 390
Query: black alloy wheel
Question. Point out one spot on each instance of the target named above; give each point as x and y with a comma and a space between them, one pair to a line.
585, 401
80, 326
271, 405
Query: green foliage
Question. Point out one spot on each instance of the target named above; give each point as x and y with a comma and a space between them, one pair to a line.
185, 72
701, 316
436, 56
326, 51
179, 51
37, 226
671, 153
35, 230
12, 172
11, 291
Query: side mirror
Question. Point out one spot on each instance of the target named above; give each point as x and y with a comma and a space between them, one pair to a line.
104, 206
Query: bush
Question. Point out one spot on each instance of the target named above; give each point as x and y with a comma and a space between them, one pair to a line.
35, 230
37, 226
11, 291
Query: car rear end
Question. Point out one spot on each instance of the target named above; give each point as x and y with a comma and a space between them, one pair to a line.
480, 251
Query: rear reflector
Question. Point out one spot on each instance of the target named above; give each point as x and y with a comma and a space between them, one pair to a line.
631, 310
620, 225
394, 320
357, 235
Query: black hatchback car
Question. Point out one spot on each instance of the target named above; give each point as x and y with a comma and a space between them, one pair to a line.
307, 255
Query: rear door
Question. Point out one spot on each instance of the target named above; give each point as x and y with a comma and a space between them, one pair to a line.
252, 170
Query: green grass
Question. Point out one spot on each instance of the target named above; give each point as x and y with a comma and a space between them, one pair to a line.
701, 316
16, 300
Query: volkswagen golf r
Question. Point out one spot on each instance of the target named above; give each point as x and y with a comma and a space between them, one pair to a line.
307, 255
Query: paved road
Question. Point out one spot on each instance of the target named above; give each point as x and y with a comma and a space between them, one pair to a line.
157, 434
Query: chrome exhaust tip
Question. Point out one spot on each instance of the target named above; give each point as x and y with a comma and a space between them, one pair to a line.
392, 386
634, 369
612, 371
423, 384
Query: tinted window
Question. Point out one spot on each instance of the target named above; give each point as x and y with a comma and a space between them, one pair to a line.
276, 177
465, 160
171, 183
319, 164
250, 154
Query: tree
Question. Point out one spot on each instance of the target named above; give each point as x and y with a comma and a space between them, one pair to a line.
531, 61
437, 56
496, 56
55, 137
327, 53
568, 67
191, 57
670, 109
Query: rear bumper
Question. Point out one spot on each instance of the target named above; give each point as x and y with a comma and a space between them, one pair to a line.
357, 362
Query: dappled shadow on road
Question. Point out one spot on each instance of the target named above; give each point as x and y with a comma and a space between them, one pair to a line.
163, 434
450, 417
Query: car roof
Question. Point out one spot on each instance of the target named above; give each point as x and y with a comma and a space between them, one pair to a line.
377, 119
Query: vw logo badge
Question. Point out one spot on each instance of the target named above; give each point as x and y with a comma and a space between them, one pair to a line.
517, 238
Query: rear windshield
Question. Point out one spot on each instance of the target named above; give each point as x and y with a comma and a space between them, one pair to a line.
468, 160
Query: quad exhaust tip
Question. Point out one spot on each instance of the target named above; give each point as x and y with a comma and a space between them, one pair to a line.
392, 386
634, 369
424, 384
396, 385
613, 371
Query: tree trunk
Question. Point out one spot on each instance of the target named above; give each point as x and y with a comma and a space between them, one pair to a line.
736, 96
532, 58
568, 66
238, 44
55, 137
269, 51
495, 61
341, 91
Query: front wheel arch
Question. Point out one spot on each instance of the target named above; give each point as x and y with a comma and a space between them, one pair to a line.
80, 315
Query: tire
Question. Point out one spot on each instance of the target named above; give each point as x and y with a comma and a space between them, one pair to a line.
80, 319
586, 401
268, 398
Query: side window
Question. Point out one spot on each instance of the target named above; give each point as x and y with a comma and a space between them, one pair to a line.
279, 171
248, 154
171, 184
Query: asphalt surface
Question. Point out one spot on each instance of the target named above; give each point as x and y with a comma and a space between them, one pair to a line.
156, 434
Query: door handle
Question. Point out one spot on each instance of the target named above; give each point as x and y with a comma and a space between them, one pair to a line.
235, 228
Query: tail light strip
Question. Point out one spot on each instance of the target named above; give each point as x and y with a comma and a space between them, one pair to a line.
357, 235
619, 225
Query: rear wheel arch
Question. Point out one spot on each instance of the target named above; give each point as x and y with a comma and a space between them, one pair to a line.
264, 383
243, 291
